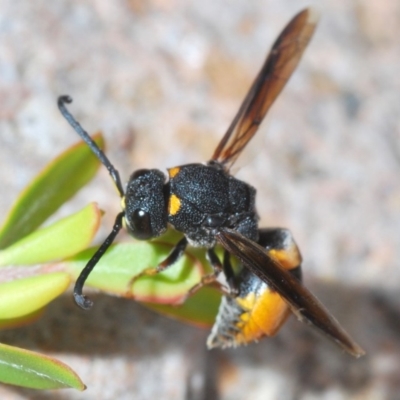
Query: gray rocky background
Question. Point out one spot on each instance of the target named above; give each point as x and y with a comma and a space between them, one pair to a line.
163, 79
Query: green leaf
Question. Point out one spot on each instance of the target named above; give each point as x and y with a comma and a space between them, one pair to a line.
21, 321
163, 292
58, 182
200, 309
25, 296
124, 261
28, 369
62, 239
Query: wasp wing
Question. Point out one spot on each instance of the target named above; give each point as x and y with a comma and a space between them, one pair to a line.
276, 71
302, 303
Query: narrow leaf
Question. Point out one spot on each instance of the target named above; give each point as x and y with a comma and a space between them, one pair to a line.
58, 182
62, 239
25, 296
28, 369
122, 262
200, 309
21, 321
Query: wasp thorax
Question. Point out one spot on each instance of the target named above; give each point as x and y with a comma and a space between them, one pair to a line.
145, 205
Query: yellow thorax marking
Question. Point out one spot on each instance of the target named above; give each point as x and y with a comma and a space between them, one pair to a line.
174, 204
172, 172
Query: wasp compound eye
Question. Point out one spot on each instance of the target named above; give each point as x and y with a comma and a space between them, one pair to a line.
141, 225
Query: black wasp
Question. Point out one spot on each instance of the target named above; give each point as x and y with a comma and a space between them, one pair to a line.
209, 206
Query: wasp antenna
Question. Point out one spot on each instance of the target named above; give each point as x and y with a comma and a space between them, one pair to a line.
80, 299
62, 100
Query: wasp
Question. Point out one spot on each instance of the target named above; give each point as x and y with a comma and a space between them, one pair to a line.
210, 206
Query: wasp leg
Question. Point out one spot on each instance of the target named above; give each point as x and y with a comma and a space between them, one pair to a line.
172, 258
208, 279
230, 275
211, 278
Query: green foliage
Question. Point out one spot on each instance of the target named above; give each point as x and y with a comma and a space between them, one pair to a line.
37, 266
28, 369
56, 184
25, 296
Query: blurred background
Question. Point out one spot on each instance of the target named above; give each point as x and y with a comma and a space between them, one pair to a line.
163, 79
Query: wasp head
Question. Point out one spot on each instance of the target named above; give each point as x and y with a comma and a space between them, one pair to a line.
145, 204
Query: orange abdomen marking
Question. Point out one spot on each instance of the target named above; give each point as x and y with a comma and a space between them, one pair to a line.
264, 316
288, 258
